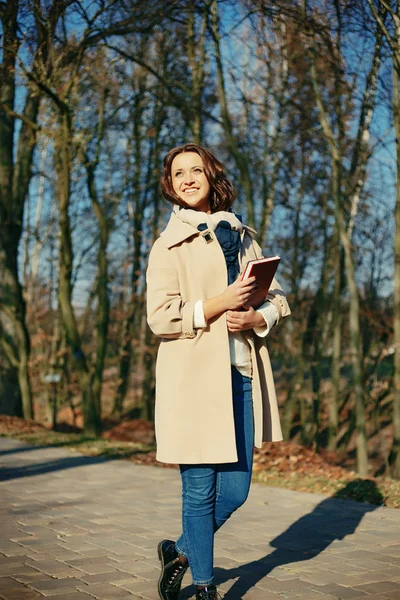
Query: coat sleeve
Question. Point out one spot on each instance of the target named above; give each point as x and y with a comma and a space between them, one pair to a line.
276, 295
168, 315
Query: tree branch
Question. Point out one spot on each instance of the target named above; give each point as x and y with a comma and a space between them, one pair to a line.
324, 115
389, 39
12, 113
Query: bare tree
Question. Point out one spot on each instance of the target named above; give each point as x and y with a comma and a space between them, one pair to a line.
387, 16
16, 168
345, 191
62, 86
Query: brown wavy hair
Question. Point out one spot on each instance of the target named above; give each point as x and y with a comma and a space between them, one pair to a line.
222, 192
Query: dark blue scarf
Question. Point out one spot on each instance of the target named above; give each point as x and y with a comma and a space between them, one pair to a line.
229, 240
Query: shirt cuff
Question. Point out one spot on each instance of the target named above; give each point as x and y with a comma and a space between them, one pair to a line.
199, 321
271, 316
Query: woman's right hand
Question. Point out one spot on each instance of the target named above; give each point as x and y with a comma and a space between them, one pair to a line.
238, 293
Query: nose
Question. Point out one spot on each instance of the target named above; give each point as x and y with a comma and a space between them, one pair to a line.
188, 179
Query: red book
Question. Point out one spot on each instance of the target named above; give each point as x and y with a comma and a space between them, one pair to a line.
263, 269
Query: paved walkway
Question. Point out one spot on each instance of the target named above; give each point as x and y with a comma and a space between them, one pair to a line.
78, 528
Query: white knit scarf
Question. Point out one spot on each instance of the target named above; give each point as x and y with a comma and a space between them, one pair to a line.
196, 217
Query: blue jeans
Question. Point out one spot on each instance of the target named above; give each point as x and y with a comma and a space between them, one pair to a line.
211, 493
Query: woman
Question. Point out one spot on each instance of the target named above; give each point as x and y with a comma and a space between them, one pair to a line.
215, 395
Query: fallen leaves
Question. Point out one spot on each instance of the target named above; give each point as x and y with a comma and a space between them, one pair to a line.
288, 457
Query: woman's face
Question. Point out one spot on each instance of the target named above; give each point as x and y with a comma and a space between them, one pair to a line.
190, 182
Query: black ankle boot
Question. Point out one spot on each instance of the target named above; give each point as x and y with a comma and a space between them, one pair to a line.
172, 571
207, 593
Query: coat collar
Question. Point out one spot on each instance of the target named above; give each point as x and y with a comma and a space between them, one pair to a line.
177, 231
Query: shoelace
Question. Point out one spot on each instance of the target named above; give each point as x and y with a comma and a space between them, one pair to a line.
177, 575
209, 595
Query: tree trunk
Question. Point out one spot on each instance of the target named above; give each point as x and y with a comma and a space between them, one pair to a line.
103, 303
392, 36
394, 459
242, 161
335, 146
197, 58
274, 151
354, 325
15, 176
337, 320
295, 391
63, 155
126, 352
333, 402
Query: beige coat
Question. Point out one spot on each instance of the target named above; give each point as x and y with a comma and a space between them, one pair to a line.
194, 412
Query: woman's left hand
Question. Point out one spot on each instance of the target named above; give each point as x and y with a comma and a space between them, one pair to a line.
247, 318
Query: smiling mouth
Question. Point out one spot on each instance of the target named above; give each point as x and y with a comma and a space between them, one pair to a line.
191, 191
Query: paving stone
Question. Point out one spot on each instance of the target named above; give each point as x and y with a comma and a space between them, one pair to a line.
127, 597
29, 577
377, 597
136, 585
270, 584
128, 566
52, 586
391, 572
318, 578
10, 589
391, 595
121, 559
368, 554
391, 550
348, 570
142, 589
109, 577
54, 568
242, 554
22, 595
55, 550
295, 593
72, 596
103, 590
347, 580
380, 587
9, 583
77, 545
16, 570
341, 592
255, 594
317, 596
91, 565
372, 577
323, 577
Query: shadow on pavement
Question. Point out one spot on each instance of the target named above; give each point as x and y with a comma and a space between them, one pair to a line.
62, 444
18, 450
39, 468
7, 473
332, 519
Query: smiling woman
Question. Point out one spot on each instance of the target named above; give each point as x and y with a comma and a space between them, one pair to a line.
215, 395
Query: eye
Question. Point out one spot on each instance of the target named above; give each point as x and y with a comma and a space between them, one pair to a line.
198, 170
178, 173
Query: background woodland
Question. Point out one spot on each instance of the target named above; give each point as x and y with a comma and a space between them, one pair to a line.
301, 101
